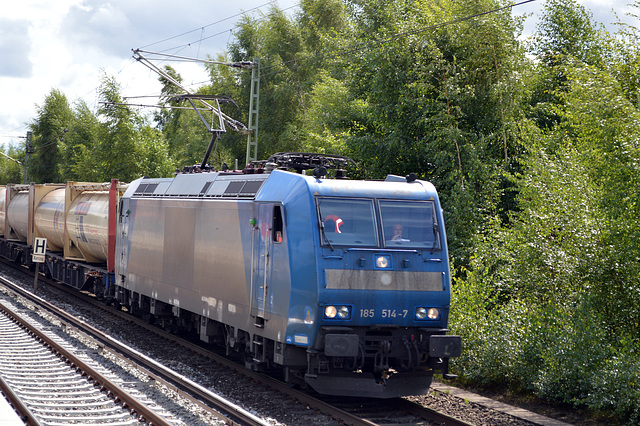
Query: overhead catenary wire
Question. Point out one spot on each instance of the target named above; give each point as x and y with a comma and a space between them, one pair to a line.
242, 64
247, 64
223, 32
208, 25
95, 102
175, 58
355, 48
358, 46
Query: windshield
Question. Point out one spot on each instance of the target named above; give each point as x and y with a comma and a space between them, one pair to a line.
348, 221
405, 224
409, 224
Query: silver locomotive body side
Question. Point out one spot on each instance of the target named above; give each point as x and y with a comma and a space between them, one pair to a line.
190, 254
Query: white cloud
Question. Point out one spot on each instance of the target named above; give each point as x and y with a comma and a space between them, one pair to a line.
14, 44
104, 26
603, 11
69, 44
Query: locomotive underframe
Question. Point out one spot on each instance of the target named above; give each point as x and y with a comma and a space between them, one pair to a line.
378, 361
387, 361
257, 352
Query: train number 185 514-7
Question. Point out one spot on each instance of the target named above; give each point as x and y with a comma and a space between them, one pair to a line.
386, 313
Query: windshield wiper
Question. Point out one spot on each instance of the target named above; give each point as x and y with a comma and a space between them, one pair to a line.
325, 235
436, 235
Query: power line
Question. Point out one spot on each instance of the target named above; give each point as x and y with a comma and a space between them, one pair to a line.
206, 26
179, 48
358, 47
182, 47
231, 29
355, 48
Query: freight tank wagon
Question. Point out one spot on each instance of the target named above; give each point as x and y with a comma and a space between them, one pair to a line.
344, 285
78, 221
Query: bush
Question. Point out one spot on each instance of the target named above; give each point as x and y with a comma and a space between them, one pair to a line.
588, 367
497, 338
616, 387
577, 349
559, 350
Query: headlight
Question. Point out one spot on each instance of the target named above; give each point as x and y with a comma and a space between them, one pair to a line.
330, 312
433, 313
427, 313
342, 312
382, 262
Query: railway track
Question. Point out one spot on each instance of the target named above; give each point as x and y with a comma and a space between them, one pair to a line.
226, 411
396, 411
49, 383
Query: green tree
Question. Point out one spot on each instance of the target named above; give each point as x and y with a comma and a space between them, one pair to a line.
443, 102
567, 29
10, 170
83, 135
372, 81
566, 33
329, 117
625, 49
601, 124
564, 272
166, 119
116, 145
294, 56
49, 129
126, 147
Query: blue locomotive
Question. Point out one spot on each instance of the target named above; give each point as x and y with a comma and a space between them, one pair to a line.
344, 285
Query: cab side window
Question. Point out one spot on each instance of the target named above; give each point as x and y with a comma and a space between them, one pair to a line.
277, 224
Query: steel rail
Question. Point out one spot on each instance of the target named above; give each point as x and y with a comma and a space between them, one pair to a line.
343, 416
118, 393
196, 393
223, 409
23, 411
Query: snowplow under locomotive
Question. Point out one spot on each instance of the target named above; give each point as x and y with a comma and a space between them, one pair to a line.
342, 284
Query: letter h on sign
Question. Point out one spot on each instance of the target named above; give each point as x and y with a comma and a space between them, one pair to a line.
39, 249
40, 246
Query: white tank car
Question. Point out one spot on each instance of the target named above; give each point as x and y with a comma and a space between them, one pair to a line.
17, 215
88, 223
49, 218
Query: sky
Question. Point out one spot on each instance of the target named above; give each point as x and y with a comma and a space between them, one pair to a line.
69, 44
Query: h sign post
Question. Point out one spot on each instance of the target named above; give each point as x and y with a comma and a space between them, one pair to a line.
38, 256
39, 249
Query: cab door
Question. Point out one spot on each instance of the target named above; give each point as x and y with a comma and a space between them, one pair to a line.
261, 262
266, 247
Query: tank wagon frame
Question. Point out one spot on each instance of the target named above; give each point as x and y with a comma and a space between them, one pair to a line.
297, 273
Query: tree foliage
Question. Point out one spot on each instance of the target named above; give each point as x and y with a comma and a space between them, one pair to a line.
12, 164
77, 144
565, 269
53, 120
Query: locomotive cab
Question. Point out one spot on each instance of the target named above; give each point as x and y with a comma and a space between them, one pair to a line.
384, 290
